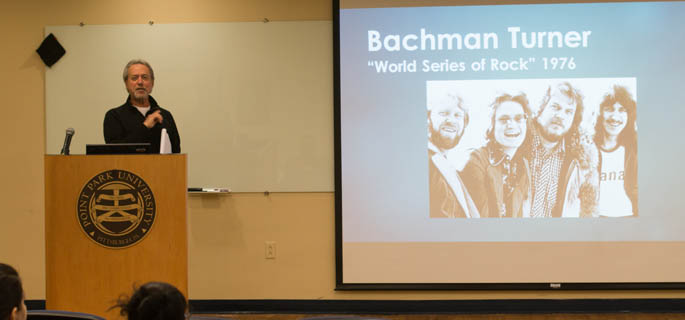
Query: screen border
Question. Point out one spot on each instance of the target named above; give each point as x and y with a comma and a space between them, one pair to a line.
341, 285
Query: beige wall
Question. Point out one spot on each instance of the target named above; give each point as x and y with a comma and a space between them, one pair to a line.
227, 232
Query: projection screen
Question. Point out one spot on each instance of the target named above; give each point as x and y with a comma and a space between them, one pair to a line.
496, 146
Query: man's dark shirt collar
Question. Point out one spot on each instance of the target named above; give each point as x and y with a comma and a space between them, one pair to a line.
153, 103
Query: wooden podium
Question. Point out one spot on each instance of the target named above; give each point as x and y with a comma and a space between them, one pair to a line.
112, 222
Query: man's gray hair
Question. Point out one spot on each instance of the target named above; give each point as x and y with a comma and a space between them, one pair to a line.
138, 61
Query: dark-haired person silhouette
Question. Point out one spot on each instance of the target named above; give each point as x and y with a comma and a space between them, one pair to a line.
12, 306
154, 301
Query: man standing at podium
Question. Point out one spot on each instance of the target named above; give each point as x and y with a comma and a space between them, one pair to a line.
140, 119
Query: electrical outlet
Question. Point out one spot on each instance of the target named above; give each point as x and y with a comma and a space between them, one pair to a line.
270, 249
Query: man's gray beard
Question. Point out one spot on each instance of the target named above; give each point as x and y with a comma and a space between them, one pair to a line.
138, 99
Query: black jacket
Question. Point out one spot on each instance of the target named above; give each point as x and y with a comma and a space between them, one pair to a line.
124, 124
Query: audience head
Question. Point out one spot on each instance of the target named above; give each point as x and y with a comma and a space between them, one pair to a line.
12, 305
7, 269
154, 301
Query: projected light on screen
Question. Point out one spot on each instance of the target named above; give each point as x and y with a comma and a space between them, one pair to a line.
497, 146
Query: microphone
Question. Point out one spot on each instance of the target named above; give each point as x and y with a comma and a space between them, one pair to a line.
67, 141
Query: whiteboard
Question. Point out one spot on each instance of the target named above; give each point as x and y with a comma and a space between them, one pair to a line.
253, 101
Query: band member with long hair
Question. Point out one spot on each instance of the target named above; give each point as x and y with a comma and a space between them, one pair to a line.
616, 137
563, 160
497, 174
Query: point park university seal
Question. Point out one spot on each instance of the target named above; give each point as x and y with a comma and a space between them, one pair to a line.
116, 209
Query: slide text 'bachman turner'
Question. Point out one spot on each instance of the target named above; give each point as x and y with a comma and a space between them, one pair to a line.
476, 41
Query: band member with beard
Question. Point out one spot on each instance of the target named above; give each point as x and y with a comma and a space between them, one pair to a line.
447, 118
563, 161
140, 119
616, 137
497, 174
